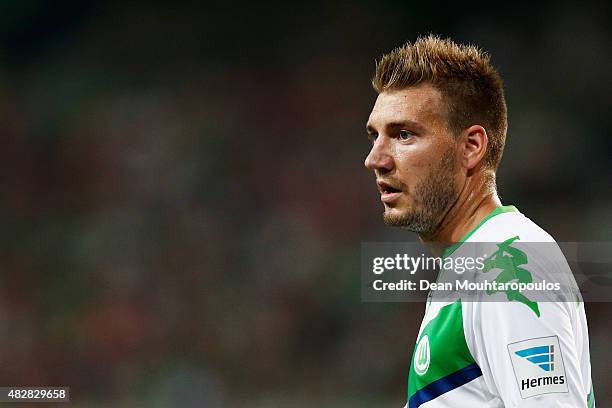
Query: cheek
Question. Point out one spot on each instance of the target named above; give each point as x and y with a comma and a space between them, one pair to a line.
413, 166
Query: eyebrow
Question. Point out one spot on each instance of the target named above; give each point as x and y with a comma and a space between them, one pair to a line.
397, 125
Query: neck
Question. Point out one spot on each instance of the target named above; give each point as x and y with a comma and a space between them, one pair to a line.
477, 199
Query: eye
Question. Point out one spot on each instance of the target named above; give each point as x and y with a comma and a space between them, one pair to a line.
405, 134
372, 137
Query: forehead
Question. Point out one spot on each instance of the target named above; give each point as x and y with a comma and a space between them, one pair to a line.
421, 104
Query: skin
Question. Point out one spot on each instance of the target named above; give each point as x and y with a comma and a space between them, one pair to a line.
444, 188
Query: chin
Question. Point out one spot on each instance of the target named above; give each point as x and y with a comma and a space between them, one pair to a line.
394, 216
396, 211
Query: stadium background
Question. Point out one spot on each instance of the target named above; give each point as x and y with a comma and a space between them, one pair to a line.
183, 194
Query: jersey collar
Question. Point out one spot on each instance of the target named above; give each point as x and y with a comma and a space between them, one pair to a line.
499, 210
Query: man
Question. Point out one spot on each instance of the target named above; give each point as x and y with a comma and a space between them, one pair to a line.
438, 130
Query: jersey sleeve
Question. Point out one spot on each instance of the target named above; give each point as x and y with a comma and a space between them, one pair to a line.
530, 351
526, 360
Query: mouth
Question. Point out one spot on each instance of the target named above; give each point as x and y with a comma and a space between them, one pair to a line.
388, 193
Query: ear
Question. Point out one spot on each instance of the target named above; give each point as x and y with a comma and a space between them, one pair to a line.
474, 146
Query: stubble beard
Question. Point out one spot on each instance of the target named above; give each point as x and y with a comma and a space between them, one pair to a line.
432, 199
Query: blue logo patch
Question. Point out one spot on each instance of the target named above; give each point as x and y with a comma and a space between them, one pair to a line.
538, 366
542, 356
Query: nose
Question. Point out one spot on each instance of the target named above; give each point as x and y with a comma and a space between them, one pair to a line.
379, 157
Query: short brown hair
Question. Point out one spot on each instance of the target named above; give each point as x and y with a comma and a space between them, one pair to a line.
464, 76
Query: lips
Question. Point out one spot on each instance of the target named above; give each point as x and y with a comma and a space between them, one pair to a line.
388, 192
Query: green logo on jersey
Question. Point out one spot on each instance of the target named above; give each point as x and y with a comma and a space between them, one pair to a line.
421, 356
509, 259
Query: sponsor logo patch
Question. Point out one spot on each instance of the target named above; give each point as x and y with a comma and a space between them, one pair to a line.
538, 366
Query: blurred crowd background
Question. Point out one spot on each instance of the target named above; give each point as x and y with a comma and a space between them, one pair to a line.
183, 196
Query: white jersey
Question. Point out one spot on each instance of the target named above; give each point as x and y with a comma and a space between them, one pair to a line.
517, 352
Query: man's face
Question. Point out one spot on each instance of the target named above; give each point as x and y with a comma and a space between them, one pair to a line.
414, 157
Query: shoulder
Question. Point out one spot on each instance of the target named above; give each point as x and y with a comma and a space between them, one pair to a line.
511, 224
